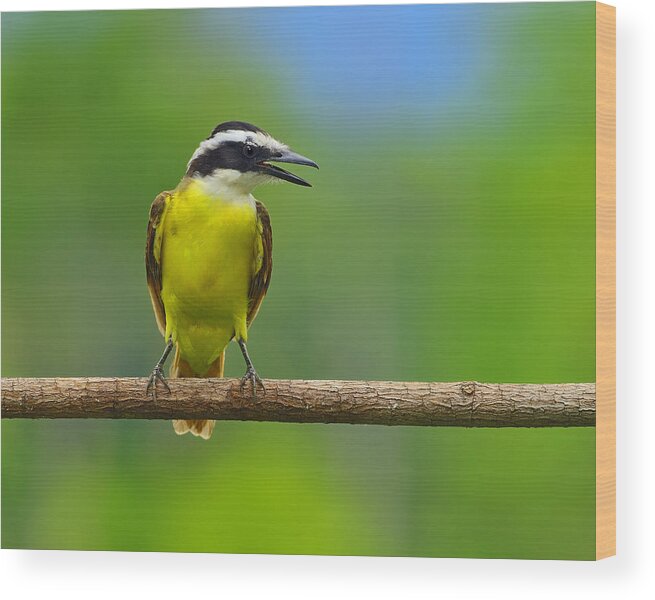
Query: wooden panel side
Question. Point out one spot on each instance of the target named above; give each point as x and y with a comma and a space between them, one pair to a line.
605, 280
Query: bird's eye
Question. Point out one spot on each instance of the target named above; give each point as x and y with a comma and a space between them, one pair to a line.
249, 150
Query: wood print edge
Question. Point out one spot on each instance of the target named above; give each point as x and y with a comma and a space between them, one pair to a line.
605, 280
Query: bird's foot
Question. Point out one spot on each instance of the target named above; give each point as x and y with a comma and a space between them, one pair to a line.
155, 376
254, 380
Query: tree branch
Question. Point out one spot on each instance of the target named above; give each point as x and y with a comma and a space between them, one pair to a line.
465, 404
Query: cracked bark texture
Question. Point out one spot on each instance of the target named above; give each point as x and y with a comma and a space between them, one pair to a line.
460, 404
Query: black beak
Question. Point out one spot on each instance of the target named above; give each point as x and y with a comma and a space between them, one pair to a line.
286, 156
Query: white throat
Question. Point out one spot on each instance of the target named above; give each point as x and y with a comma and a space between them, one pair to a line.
230, 185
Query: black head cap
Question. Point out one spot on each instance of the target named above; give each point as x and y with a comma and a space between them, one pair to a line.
235, 126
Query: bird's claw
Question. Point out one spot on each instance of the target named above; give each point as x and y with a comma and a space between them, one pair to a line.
254, 379
155, 376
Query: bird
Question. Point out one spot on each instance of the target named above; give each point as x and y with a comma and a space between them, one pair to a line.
209, 255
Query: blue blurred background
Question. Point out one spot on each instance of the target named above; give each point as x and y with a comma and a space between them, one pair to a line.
449, 236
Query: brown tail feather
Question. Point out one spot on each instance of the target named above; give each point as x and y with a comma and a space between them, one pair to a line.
181, 368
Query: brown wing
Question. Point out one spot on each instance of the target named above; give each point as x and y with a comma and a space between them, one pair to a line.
264, 262
153, 257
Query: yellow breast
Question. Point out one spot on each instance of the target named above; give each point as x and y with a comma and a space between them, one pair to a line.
208, 258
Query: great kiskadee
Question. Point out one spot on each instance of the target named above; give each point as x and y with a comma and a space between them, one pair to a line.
209, 254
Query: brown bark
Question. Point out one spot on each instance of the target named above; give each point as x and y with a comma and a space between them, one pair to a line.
463, 404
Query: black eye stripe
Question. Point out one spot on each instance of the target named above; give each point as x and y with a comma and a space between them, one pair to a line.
228, 155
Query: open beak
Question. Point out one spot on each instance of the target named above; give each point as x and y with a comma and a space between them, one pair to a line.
287, 156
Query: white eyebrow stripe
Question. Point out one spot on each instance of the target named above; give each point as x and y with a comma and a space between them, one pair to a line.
232, 135
236, 135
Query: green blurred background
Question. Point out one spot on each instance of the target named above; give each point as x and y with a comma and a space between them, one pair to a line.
449, 236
